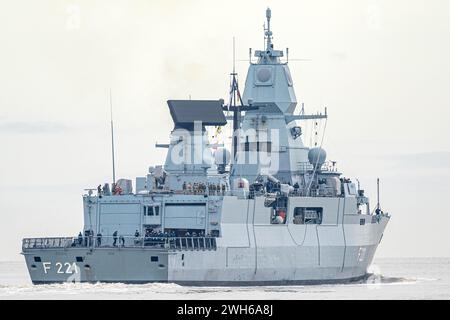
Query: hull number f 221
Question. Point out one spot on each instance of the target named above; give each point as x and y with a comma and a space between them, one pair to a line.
61, 267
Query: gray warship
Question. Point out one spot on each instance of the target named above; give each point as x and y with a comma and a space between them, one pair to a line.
269, 212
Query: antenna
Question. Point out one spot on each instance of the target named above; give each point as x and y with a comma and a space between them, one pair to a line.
112, 139
234, 57
267, 32
236, 113
378, 193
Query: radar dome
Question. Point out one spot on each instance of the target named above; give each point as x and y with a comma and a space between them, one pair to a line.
222, 156
317, 157
222, 159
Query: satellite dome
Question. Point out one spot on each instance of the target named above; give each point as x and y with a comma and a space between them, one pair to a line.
317, 157
222, 156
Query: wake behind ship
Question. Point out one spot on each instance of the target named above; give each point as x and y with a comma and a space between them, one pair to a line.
271, 211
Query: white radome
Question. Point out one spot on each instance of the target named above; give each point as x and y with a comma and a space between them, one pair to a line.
222, 156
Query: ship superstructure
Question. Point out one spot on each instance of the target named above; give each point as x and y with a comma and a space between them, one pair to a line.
271, 211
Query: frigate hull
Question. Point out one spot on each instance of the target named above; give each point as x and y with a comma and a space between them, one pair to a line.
319, 258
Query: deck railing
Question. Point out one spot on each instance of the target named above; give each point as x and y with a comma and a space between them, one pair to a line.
175, 243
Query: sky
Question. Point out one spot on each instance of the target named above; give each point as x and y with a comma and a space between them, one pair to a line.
380, 67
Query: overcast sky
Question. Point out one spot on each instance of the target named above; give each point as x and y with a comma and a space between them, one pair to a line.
381, 67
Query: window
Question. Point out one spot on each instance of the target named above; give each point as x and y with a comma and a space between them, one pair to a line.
37, 259
362, 222
154, 258
151, 210
257, 146
79, 259
308, 215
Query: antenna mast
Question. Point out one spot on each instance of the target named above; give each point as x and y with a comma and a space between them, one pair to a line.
267, 31
112, 139
378, 193
234, 106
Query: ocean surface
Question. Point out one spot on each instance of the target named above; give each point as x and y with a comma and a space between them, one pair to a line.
399, 278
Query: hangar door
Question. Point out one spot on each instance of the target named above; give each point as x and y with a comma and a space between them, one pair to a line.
185, 216
123, 217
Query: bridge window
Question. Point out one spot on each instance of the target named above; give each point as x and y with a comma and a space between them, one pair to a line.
308, 215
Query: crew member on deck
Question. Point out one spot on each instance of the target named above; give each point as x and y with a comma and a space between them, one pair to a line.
115, 238
80, 238
99, 239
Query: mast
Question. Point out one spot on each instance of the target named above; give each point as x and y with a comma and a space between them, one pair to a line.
112, 140
267, 32
237, 111
236, 105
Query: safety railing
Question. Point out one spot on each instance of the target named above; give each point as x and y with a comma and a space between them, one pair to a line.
175, 243
313, 192
329, 166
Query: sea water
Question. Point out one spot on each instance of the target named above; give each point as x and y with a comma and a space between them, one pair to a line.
391, 278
